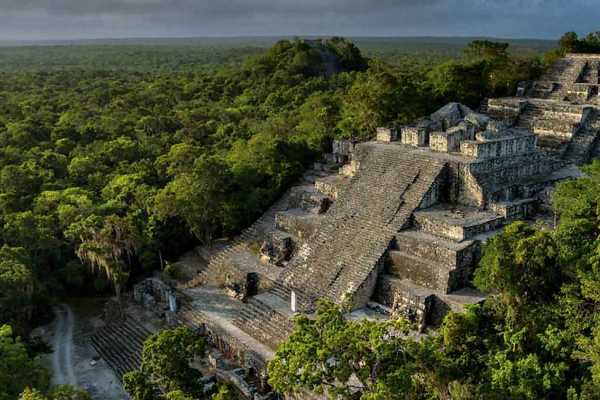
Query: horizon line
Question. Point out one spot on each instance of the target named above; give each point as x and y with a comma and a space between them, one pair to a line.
130, 38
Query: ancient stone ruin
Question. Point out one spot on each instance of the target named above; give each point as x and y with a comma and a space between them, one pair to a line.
395, 226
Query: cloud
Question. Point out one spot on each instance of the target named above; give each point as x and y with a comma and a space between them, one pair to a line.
120, 18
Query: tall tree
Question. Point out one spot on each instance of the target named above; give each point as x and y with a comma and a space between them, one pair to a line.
17, 369
107, 244
332, 355
166, 359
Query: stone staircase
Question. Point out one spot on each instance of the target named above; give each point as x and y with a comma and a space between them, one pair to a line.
120, 344
266, 317
265, 225
583, 142
429, 266
590, 73
553, 125
559, 80
254, 233
569, 77
558, 70
377, 202
546, 116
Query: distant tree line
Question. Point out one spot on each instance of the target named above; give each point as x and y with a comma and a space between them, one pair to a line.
571, 43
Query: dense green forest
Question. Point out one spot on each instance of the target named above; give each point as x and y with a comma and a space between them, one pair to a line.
193, 54
107, 171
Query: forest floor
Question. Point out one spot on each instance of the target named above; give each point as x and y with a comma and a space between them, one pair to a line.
73, 360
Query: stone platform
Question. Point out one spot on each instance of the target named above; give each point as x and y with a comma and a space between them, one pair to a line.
395, 226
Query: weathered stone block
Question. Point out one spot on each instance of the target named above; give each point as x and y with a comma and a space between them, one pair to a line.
415, 136
297, 223
458, 224
480, 121
404, 298
450, 115
511, 211
387, 134
342, 150
450, 140
490, 146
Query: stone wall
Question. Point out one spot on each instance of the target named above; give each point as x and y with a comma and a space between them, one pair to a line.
439, 226
449, 140
436, 192
505, 109
462, 185
512, 211
431, 262
404, 299
501, 147
363, 294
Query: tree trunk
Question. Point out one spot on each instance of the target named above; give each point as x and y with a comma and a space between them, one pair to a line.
118, 291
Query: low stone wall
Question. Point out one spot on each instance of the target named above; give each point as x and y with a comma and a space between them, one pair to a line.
421, 271
449, 140
505, 109
457, 232
512, 211
230, 346
503, 147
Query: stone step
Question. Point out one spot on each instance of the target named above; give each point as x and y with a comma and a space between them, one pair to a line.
425, 272
265, 321
120, 344
456, 224
435, 248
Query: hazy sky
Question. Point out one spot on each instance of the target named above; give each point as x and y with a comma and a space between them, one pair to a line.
71, 19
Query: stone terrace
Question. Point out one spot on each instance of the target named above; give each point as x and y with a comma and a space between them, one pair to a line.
389, 185
395, 226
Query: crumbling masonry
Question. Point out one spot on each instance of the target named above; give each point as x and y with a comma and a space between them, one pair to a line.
395, 226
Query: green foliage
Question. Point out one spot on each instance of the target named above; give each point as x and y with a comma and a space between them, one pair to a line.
487, 71
178, 395
166, 359
225, 392
329, 354
571, 43
521, 267
138, 386
486, 49
17, 369
17, 285
109, 165
62, 392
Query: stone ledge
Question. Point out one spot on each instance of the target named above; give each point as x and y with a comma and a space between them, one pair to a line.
456, 223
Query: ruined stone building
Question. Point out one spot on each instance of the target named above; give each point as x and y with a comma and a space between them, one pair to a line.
395, 226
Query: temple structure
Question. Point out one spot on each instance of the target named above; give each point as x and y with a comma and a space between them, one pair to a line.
395, 226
